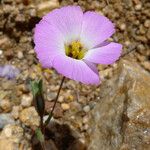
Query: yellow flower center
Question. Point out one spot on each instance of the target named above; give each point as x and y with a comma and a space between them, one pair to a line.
75, 50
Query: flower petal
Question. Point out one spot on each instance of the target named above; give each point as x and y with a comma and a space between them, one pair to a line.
104, 55
48, 43
95, 29
76, 69
68, 20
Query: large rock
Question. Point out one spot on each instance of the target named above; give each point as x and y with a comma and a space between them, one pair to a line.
121, 119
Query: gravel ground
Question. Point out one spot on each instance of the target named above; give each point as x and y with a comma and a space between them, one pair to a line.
17, 21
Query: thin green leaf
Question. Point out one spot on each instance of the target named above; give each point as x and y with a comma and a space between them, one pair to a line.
39, 135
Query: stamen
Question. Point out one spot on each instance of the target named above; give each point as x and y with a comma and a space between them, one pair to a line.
75, 50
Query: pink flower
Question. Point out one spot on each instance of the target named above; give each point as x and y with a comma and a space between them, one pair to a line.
73, 43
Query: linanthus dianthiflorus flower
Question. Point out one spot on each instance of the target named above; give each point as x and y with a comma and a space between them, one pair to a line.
73, 43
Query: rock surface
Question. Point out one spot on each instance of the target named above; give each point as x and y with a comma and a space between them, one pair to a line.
121, 119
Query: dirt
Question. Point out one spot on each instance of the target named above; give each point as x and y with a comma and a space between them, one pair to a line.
17, 22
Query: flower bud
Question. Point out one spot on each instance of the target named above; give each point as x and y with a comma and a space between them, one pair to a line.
38, 98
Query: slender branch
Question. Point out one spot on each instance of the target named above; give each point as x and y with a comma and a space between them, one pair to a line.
51, 113
133, 50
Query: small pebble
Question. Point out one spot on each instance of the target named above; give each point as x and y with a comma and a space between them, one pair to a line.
72, 117
9, 71
1, 52
147, 23
26, 100
31, 51
85, 119
75, 106
146, 65
20, 55
58, 111
81, 100
5, 105
5, 119
51, 96
65, 106
141, 47
44, 6
85, 127
86, 108
29, 117
61, 99
13, 132
127, 43
138, 7
123, 27
12, 137
15, 111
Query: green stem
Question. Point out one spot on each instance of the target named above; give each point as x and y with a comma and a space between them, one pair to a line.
41, 124
52, 111
43, 145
